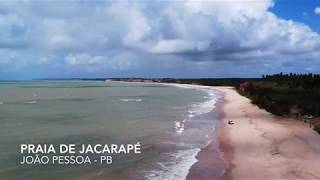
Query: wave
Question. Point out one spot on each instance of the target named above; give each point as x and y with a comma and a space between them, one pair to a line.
203, 107
178, 169
31, 102
179, 126
186, 158
207, 106
131, 100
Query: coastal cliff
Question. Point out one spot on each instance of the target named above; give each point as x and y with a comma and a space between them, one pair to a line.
277, 97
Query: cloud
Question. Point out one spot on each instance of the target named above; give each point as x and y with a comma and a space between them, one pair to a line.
136, 36
317, 10
7, 56
84, 59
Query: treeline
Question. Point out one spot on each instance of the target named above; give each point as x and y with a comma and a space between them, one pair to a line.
306, 81
235, 82
296, 95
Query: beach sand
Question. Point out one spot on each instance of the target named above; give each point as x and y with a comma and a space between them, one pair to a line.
262, 146
258, 146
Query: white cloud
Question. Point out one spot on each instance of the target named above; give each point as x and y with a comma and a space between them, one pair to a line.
135, 34
119, 62
85, 59
317, 10
176, 46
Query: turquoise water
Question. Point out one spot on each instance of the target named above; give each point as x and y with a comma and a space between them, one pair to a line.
171, 123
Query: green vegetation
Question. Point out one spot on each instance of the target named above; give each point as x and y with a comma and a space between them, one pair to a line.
235, 82
296, 95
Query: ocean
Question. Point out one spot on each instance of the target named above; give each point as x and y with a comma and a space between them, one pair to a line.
172, 124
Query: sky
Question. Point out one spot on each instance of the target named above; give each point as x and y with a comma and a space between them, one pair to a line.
160, 38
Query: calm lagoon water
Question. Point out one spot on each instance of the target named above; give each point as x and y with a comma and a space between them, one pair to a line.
171, 123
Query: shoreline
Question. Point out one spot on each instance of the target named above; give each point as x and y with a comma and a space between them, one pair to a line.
259, 145
263, 146
208, 165
225, 146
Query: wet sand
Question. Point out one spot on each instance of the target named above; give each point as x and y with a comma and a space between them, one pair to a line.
211, 167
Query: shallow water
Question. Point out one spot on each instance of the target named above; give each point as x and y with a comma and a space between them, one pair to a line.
171, 123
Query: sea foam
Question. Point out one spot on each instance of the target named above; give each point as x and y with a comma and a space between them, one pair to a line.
184, 159
207, 106
131, 100
31, 102
178, 169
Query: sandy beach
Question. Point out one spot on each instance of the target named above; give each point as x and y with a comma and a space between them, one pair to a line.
260, 145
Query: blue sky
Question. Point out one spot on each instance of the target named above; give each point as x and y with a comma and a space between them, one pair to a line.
185, 38
298, 10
